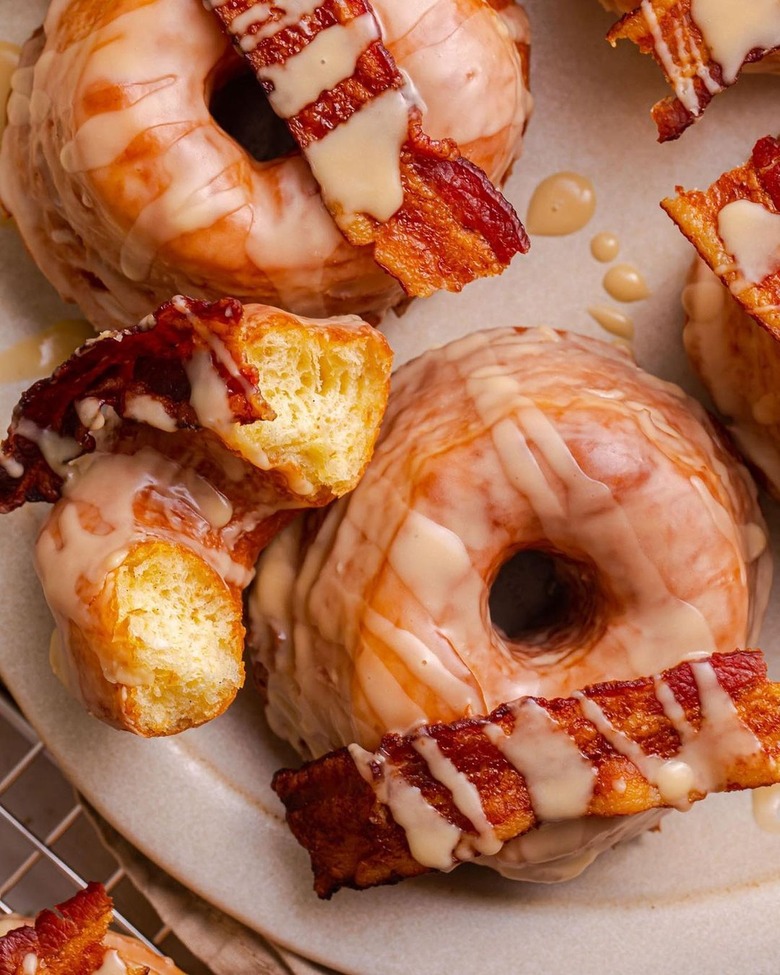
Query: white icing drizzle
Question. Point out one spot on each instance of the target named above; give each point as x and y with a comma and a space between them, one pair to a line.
149, 410
559, 779
556, 852
188, 208
432, 839
57, 451
465, 796
530, 438
720, 741
732, 30
557, 775
357, 164
155, 87
11, 466
329, 58
751, 234
690, 64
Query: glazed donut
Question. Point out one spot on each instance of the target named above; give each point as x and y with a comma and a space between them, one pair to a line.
126, 189
379, 616
76, 939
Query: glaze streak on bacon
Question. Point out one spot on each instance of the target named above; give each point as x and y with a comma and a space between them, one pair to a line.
68, 941
690, 54
696, 213
454, 225
354, 841
375, 73
148, 360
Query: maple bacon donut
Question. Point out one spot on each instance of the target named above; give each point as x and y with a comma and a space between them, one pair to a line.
127, 190
506, 452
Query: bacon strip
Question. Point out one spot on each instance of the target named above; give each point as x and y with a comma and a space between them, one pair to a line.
667, 30
68, 941
447, 224
709, 725
115, 369
696, 214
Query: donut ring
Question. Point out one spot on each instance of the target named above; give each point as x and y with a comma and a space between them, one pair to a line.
378, 617
126, 190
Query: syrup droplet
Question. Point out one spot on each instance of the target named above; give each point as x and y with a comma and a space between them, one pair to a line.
624, 282
613, 321
605, 247
561, 204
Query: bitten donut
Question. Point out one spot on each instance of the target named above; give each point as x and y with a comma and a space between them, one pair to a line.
127, 190
628, 505
173, 452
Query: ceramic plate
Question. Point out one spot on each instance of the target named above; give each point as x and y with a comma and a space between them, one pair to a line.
703, 894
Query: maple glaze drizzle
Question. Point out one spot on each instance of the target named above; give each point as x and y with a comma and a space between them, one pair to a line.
605, 247
560, 781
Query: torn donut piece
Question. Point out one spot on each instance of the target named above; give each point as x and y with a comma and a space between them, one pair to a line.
74, 939
177, 450
433, 218
701, 46
447, 793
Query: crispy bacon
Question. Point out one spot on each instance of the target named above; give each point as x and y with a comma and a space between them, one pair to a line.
453, 225
696, 214
114, 369
667, 30
339, 814
66, 941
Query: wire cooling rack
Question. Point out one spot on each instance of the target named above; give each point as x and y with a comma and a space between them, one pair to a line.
49, 848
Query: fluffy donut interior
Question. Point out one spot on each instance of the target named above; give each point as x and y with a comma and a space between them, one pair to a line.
328, 388
169, 635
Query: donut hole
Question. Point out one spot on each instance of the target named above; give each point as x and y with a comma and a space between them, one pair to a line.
240, 108
544, 599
